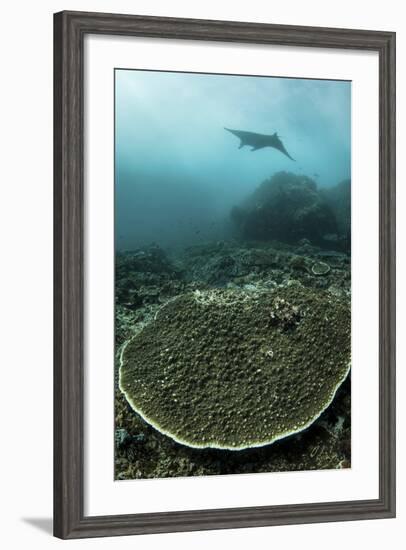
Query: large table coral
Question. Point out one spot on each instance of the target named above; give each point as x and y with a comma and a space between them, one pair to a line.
230, 369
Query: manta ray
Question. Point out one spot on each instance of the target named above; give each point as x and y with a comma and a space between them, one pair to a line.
259, 141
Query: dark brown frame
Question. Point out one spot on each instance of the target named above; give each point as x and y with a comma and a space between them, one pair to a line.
69, 31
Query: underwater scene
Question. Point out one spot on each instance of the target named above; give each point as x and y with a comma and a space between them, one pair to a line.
232, 274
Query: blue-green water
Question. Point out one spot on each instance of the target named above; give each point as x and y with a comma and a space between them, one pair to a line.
178, 173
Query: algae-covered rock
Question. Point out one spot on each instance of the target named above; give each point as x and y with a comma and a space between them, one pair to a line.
231, 369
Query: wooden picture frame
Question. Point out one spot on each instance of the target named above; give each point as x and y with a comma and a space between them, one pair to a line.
70, 29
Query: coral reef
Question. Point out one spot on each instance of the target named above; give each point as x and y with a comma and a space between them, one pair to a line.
338, 198
141, 274
234, 369
234, 264
325, 445
144, 284
320, 268
286, 207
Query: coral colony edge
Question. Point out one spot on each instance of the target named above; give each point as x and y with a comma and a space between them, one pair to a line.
232, 274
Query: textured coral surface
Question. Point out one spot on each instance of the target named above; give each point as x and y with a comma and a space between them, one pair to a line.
233, 368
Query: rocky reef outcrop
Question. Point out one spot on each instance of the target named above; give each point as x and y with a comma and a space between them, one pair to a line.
288, 207
338, 198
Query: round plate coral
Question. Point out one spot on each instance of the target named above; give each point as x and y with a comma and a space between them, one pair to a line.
230, 369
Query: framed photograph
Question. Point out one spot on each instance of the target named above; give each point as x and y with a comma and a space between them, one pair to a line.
224, 274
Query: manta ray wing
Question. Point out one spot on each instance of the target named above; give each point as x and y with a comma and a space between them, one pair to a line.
240, 133
247, 138
253, 140
259, 146
280, 147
